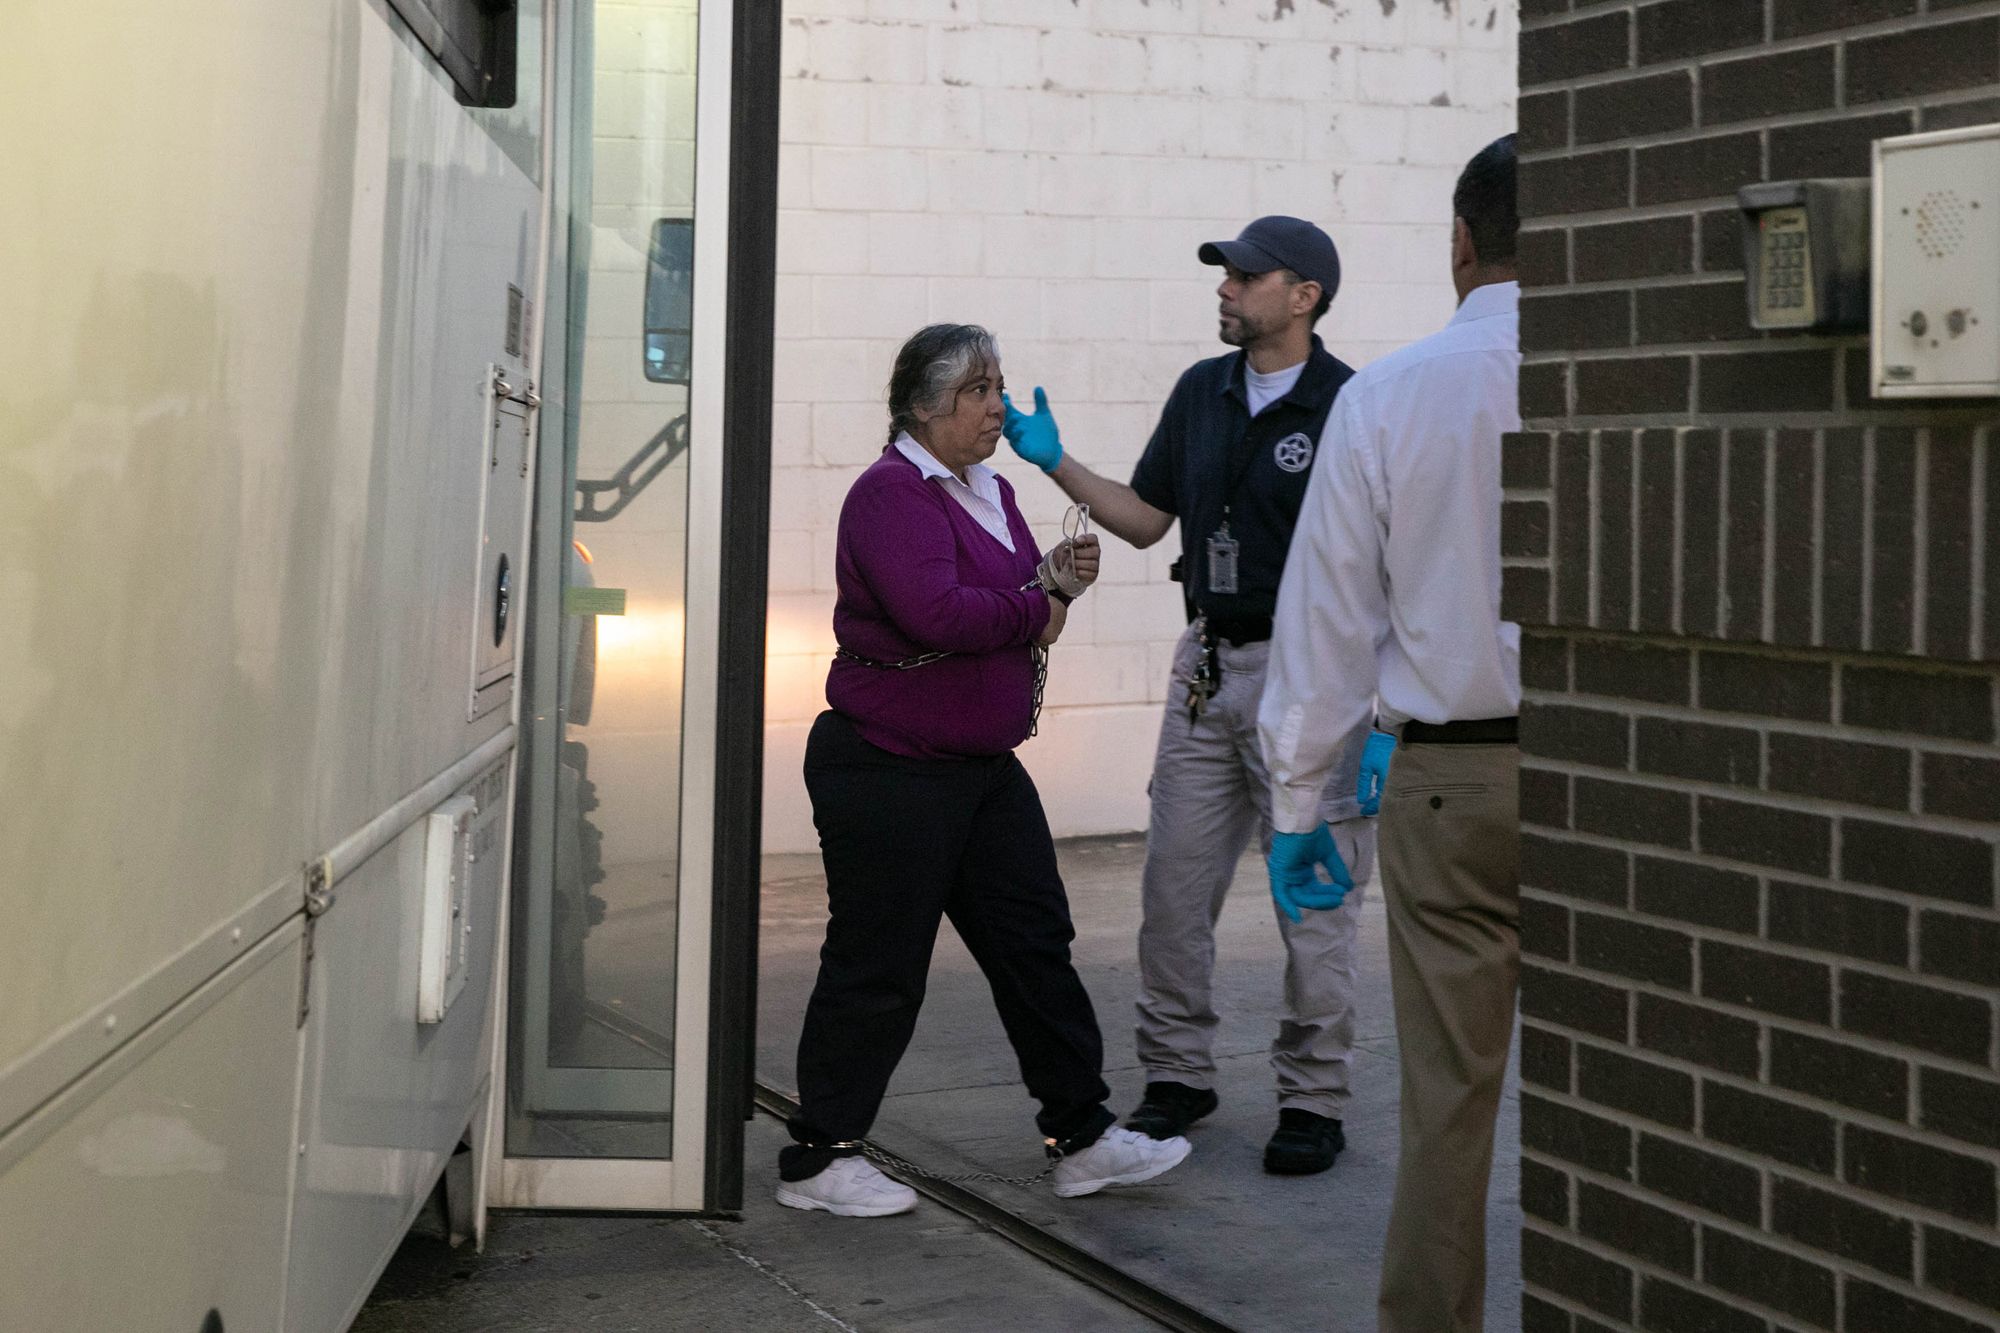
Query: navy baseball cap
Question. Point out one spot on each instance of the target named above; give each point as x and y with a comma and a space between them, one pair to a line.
1280, 242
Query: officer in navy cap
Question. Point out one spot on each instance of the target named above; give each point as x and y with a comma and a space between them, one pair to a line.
1230, 459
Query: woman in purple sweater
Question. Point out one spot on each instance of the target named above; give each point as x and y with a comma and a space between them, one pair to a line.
922, 809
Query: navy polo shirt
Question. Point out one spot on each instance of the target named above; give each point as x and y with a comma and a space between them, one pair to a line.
1207, 442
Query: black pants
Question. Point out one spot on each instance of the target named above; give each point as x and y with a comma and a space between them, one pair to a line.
906, 842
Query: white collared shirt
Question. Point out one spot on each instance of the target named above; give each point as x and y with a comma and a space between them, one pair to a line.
1391, 591
980, 498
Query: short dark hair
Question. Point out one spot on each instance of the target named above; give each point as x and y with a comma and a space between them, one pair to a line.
1325, 296
1484, 197
930, 367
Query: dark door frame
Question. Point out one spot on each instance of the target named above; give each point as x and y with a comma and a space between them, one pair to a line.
745, 559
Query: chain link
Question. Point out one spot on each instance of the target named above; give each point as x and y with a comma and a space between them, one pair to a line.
907, 664
1041, 683
905, 1167
1076, 523
1041, 660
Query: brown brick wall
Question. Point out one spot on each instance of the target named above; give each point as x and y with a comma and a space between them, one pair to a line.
1761, 793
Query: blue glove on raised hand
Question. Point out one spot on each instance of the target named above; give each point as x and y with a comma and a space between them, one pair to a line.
1034, 438
1293, 860
1374, 771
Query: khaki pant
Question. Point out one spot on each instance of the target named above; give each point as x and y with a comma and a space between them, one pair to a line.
1210, 796
1451, 853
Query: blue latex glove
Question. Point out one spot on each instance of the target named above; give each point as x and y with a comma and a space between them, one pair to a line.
1034, 438
1374, 771
1293, 860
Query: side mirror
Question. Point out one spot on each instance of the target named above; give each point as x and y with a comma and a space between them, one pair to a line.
670, 300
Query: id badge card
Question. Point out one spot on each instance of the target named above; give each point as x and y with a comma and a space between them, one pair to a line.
1222, 550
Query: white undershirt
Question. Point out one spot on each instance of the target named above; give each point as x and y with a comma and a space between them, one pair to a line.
1263, 390
981, 498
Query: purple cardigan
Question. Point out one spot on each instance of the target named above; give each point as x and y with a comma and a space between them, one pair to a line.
915, 574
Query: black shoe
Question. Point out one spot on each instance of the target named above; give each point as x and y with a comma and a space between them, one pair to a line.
1169, 1108
1305, 1143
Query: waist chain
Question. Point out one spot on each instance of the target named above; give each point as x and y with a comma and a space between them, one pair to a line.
1055, 575
907, 664
1041, 656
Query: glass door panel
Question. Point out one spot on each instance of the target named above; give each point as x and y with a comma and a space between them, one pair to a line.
598, 903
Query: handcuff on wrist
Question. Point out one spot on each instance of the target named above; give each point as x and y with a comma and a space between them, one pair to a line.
1056, 574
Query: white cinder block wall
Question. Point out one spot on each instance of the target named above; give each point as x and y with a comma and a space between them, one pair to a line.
1047, 168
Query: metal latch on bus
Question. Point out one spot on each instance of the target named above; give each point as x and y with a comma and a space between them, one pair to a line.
319, 885
526, 397
319, 898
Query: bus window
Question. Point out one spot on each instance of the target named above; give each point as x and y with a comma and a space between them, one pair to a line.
473, 39
517, 126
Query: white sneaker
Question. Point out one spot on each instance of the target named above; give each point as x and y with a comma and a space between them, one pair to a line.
1121, 1157
849, 1187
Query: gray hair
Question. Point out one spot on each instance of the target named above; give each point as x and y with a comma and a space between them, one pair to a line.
930, 367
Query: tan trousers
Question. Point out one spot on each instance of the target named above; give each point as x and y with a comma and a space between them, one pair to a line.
1210, 795
1451, 855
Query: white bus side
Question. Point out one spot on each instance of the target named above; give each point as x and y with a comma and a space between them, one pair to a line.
254, 481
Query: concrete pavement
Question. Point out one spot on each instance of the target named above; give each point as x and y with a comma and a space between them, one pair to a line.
1262, 1253
1257, 1251
773, 1270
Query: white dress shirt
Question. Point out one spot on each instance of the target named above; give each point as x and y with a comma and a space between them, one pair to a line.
980, 498
1391, 592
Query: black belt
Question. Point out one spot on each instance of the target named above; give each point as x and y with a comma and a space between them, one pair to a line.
1239, 629
1485, 731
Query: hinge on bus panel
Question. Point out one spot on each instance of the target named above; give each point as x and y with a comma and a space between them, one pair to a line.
319, 897
319, 886
306, 970
530, 401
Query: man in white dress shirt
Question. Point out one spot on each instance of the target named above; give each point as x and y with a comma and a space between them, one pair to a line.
1390, 606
